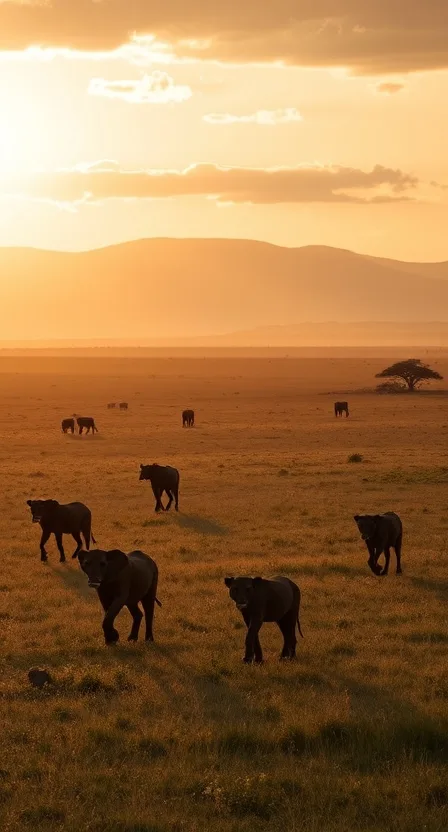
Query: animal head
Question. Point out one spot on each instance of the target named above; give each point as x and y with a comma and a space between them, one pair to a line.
147, 472
367, 524
101, 566
42, 509
241, 590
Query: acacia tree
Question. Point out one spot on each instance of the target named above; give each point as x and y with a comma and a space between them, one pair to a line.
411, 371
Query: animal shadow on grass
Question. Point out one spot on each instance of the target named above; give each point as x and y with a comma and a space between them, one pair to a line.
439, 588
202, 525
76, 581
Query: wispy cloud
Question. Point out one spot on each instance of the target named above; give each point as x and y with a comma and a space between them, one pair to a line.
305, 183
157, 88
389, 87
266, 118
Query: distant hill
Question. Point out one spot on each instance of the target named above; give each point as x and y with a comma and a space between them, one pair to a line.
181, 288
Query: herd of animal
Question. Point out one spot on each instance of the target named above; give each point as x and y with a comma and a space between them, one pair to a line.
87, 423
128, 580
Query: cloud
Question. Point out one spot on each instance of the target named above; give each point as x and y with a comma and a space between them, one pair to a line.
367, 36
389, 88
263, 186
264, 117
157, 88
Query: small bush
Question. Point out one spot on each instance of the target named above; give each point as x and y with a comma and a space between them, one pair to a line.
355, 458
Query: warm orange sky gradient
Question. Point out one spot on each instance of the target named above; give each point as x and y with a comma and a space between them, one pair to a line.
295, 121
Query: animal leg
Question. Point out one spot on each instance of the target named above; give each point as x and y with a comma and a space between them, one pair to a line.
287, 626
397, 548
137, 616
148, 606
158, 495
77, 537
176, 497
386, 565
45, 537
60, 547
111, 635
253, 646
170, 499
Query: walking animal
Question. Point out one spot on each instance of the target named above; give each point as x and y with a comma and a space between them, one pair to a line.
122, 581
162, 478
188, 419
381, 532
340, 408
68, 425
57, 519
86, 422
260, 600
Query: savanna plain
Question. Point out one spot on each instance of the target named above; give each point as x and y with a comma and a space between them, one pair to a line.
179, 734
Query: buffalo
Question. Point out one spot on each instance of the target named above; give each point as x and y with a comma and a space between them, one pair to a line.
340, 408
381, 532
122, 581
57, 519
123, 405
188, 419
68, 425
111, 405
260, 600
162, 478
86, 422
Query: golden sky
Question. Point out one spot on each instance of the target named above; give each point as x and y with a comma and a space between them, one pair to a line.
293, 121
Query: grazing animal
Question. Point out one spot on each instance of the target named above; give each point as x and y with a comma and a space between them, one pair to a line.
123, 405
381, 532
86, 422
260, 600
111, 405
188, 419
68, 424
57, 519
340, 408
122, 581
162, 478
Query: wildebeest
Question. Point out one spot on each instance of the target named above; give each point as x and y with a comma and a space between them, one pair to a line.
340, 408
57, 519
188, 419
111, 405
123, 405
122, 581
86, 422
260, 600
162, 478
381, 532
68, 424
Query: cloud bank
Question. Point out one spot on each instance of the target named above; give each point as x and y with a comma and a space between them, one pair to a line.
367, 36
267, 118
263, 186
157, 88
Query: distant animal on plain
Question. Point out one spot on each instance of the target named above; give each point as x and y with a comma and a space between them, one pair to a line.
162, 478
57, 519
68, 425
86, 422
123, 405
111, 405
381, 532
260, 600
340, 408
188, 419
122, 581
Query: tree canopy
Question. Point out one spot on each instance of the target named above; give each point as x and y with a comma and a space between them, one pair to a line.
411, 371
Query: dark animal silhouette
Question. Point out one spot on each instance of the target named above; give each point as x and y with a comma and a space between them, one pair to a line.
111, 405
86, 422
123, 405
122, 581
57, 519
188, 419
162, 478
381, 532
260, 600
68, 424
340, 408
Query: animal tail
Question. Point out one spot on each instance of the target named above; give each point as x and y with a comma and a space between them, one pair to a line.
298, 620
93, 539
158, 602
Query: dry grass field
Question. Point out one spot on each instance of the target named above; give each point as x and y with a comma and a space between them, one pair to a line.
180, 735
